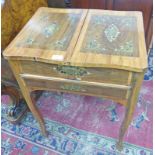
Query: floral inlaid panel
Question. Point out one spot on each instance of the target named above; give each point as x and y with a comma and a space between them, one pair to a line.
111, 35
52, 31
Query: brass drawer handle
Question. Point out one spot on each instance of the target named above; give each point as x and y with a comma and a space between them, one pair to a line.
71, 70
72, 88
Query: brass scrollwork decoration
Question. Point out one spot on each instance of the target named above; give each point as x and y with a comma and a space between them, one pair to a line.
72, 88
71, 70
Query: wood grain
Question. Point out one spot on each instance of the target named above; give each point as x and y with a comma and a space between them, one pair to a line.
117, 77
144, 6
15, 65
94, 74
73, 56
132, 101
33, 41
111, 61
91, 89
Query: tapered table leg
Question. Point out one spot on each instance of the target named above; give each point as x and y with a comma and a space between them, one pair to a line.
132, 101
15, 65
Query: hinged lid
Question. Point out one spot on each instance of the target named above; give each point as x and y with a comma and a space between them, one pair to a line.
112, 39
50, 35
79, 37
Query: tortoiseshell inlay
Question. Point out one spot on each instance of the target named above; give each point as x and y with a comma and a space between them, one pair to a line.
52, 31
111, 35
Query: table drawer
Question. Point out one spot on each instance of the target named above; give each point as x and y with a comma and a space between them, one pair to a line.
77, 73
87, 88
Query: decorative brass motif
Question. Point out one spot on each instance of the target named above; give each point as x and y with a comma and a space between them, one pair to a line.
127, 47
50, 24
111, 32
28, 42
94, 45
112, 37
72, 87
71, 70
50, 30
60, 43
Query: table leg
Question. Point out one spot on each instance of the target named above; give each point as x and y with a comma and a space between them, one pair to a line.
15, 65
132, 101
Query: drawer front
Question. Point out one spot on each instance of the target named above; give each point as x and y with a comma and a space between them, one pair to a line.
78, 73
86, 89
